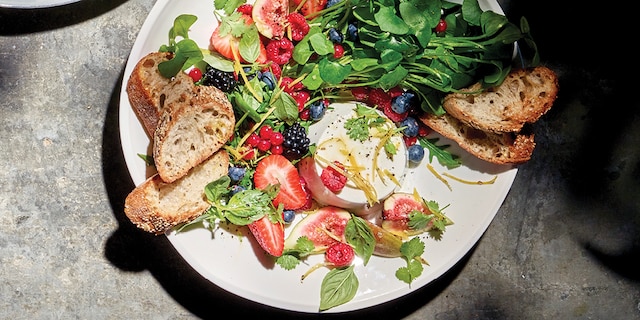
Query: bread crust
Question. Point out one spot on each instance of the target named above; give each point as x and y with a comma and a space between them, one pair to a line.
190, 132
156, 206
523, 97
148, 91
499, 148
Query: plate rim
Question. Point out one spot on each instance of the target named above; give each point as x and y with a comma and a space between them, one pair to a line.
125, 117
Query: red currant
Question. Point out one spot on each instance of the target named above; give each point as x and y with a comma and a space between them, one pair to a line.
338, 50
264, 145
301, 97
265, 132
253, 140
441, 26
276, 138
276, 148
195, 74
304, 114
249, 154
409, 141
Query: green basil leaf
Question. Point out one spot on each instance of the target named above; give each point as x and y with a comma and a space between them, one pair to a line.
249, 46
338, 287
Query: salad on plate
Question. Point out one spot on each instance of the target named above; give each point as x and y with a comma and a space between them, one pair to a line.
327, 96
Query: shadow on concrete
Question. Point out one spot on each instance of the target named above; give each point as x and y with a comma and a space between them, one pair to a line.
591, 54
23, 21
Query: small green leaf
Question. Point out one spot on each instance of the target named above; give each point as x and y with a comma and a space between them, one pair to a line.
360, 236
321, 44
338, 287
389, 22
333, 72
249, 46
313, 80
393, 78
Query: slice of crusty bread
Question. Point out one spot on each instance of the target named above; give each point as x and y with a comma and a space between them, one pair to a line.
523, 97
499, 148
156, 206
190, 132
149, 91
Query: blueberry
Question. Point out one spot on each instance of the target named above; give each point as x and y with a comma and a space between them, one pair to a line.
335, 36
402, 103
236, 173
415, 153
236, 188
411, 127
288, 216
268, 78
352, 32
331, 3
316, 110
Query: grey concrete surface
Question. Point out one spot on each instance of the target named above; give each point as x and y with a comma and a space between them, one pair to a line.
564, 244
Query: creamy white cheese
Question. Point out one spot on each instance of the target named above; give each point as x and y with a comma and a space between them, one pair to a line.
373, 173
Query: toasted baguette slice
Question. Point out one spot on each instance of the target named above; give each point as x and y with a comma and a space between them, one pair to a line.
149, 91
504, 148
523, 97
156, 206
190, 132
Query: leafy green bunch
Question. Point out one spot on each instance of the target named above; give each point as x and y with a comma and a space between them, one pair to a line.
397, 45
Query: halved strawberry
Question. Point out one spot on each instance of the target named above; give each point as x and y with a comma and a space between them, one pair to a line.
276, 169
224, 45
270, 236
311, 7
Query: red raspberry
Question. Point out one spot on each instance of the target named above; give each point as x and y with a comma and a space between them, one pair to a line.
395, 91
280, 50
378, 98
360, 93
286, 85
274, 68
332, 179
392, 115
299, 26
340, 254
338, 50
245, 9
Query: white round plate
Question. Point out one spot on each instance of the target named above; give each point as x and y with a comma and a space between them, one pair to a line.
238, 265
33, 4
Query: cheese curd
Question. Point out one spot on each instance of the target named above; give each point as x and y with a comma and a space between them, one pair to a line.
373, 174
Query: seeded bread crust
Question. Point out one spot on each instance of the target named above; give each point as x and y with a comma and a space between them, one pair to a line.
189, 132
498, 148
523, 97
156, 206
149, 92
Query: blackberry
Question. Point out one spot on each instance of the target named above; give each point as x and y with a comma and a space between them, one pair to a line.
296, 142
225, 81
